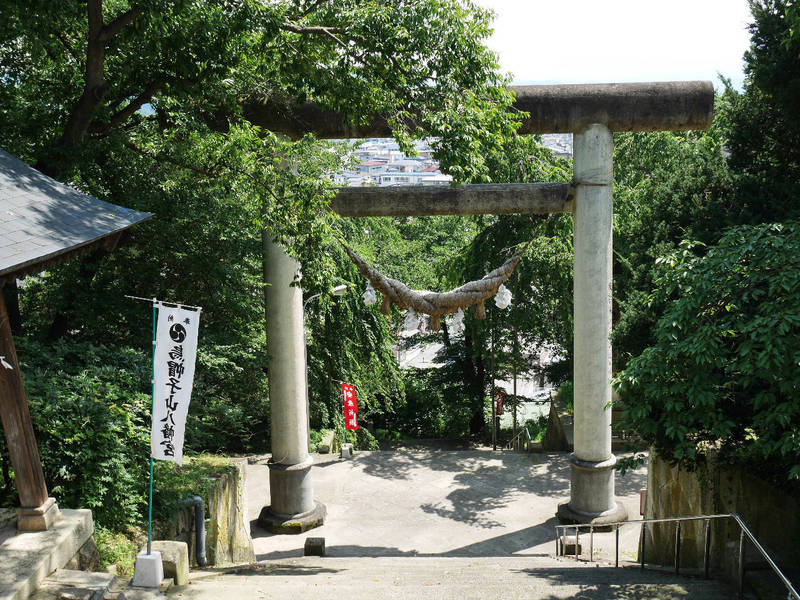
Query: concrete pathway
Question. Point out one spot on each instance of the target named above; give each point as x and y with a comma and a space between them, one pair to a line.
428, 523
442, 579
431, 502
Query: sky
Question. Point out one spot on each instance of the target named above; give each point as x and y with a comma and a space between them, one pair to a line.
603, 41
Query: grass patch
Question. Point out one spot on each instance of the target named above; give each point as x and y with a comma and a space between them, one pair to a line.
118, 549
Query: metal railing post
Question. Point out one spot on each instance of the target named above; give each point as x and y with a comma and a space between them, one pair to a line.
743, 531
707, 549
741, 564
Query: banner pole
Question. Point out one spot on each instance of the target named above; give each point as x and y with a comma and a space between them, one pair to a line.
152, 408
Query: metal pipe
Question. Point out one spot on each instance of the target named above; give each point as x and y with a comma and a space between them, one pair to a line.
616, 549
644, 535
577, 544
677, 548
199, 528
591, 544
707, 549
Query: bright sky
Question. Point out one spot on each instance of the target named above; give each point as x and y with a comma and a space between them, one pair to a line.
603, 41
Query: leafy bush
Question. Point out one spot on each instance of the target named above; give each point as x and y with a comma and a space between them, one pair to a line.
91, 422
723, 373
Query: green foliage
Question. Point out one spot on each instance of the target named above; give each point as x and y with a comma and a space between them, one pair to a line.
668, 187
195, 477
436, 405
566, 395
117, 548
91, 424
723, 373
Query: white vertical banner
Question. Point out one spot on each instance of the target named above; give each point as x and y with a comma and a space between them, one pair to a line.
173, 369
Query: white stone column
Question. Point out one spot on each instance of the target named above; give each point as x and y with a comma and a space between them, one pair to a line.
292, 507
592, 479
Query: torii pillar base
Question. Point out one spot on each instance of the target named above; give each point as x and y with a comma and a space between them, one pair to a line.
592, 494
293, 509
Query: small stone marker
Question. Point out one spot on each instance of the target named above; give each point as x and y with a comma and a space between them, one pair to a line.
175, 559
314, 546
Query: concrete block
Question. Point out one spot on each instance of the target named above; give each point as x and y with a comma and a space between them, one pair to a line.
347, 451
149, 570
314, 546
174, 559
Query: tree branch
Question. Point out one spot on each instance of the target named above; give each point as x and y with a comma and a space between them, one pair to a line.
309, 9
172, 161
70, 48
131, 107
314, 30
113, 28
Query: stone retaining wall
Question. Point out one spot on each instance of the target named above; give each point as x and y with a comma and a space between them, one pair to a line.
227, 528
771, 514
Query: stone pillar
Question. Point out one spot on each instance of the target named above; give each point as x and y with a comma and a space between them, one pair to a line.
592, 480
292, 507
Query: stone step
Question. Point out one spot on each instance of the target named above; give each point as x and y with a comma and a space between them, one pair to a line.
423, 578
26, 559
74, 585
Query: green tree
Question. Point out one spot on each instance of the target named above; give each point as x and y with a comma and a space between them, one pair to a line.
722, 374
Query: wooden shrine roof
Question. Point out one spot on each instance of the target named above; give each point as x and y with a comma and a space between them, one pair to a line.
43, 222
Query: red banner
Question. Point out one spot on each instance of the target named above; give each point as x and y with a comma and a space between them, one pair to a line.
501, 402
350, 406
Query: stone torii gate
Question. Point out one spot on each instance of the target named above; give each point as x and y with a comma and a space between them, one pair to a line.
591, 112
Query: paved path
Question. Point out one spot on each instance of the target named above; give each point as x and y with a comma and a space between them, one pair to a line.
442, 579
428, 523
438, 503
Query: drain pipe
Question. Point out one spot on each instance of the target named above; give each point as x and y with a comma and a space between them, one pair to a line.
199, 528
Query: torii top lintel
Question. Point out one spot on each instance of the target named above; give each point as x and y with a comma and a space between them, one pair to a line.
567, 108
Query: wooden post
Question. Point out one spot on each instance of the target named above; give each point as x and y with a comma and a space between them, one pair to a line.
37, 511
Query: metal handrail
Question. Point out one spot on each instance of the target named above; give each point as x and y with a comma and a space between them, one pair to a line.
510, 444
743, 531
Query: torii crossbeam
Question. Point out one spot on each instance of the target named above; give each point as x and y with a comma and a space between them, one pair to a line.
591, 112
